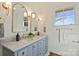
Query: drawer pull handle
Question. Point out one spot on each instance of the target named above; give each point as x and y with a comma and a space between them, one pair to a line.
22, 53
33, 46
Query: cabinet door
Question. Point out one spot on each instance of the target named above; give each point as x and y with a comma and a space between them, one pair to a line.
40, 48
46, 44
34, 49
21, 52
29, 50
26, 51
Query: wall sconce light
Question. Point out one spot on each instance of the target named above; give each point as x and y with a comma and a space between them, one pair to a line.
6, 6
39, 19
33, 15
29, 13
25, 14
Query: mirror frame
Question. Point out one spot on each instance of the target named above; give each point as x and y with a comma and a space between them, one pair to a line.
2, 21
13, 5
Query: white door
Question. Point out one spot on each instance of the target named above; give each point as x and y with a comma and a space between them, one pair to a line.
60, 39
68, 40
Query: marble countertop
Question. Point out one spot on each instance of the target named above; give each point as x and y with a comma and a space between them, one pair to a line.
14, 45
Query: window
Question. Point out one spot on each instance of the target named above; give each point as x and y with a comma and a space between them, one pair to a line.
65, 17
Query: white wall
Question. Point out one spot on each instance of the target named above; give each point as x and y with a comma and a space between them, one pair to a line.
7, 24
47, 12
70, 35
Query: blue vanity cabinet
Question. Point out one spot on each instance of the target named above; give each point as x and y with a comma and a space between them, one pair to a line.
36, 48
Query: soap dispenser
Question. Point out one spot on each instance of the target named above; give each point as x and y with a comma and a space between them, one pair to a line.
17, 37
38, 33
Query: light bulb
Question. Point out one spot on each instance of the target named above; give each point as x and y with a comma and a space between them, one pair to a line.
25, 14
8, 4
29, 13
33, 15
39, 19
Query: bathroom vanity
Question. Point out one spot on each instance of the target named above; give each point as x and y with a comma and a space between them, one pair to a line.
37, 46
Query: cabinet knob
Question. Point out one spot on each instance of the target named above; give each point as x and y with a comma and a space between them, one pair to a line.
33, 46
22, 53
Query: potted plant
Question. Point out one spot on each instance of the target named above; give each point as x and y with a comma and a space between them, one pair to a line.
30, 35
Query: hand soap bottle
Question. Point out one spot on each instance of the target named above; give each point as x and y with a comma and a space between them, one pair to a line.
38, 33
17, 37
